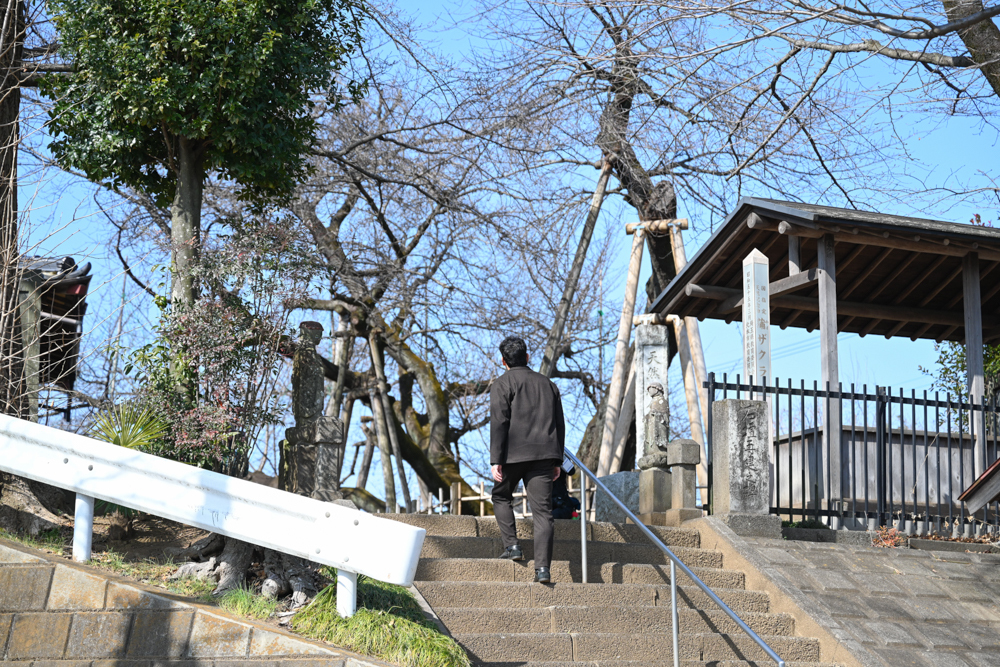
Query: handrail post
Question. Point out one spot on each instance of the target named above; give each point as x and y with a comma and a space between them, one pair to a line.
83, 528
347, 593
583, 524
673, 611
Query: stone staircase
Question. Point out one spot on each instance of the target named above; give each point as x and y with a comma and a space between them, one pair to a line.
621, 618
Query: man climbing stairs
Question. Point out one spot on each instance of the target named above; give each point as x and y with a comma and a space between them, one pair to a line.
621, 618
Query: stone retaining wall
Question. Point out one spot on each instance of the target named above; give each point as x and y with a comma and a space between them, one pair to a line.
53, 612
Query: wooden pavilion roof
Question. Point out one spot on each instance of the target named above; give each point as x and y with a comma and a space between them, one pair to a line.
895, 275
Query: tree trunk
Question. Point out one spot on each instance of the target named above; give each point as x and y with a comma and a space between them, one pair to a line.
185, 243
551, 355
233, 565
982, 38
185, 222
12, 381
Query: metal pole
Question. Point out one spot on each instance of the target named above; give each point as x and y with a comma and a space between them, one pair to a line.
583, 524
673, 610
83, 528
347, 593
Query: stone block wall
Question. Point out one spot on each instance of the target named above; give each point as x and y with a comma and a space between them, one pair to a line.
53, 612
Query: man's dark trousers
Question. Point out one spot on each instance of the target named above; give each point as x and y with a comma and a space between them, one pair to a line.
537, 477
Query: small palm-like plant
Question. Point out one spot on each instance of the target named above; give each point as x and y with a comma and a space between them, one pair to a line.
129, 425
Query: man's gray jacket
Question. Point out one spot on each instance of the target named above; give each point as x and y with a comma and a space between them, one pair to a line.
526, 418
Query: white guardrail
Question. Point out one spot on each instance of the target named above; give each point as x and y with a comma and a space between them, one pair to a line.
350, 540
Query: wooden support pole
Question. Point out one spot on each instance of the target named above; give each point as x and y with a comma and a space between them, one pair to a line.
829, 358
696, 357
550, 356
366, 460
794, 255
623, 427
692, 391
456, 498
384, 451
617, 387
30, 308
974, 353
383, 390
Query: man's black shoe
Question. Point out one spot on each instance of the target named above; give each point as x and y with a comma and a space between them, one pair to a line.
512, 553
542, 575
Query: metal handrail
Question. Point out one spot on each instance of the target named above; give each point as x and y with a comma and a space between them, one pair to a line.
675, 562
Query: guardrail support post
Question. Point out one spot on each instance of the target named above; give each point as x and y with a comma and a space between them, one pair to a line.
347, 593
583, 526
83, 528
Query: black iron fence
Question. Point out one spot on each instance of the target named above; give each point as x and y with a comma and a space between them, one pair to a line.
863, 459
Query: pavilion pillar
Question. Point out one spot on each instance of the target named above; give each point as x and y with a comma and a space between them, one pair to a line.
830, 368
975, 383
794, 255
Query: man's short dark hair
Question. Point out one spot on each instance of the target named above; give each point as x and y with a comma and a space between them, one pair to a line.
514, 351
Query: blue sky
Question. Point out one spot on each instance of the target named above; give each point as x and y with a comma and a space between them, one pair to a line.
64, 221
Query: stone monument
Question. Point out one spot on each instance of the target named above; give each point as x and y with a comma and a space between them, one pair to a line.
741, 492
654, 477
652, 352
313, 448
667, 481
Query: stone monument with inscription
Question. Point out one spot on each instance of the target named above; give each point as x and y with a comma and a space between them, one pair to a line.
652, 355
667, 469
741, 493
313, 450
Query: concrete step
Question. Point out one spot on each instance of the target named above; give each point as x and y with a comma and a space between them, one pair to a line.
494, 595
437, 546
496, 569
474, 526
608, 619
647, 646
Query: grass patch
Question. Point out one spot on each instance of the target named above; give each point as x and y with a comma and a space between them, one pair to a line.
245, 602
48, 540
389, 624
192, 587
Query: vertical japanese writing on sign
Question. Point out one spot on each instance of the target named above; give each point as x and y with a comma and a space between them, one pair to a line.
756, 317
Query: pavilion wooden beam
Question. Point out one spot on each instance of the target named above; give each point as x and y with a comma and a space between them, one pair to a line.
941, 285
895, 273
854, 308
915, 243
863, 276
974, 352
983, 275
794, 229
777, 288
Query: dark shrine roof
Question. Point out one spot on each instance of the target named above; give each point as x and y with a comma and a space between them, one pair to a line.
895, 275
61, 286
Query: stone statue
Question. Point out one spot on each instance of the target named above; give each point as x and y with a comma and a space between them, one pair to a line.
313, 448
656, 429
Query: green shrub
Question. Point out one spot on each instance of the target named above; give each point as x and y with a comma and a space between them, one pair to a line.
389, 624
